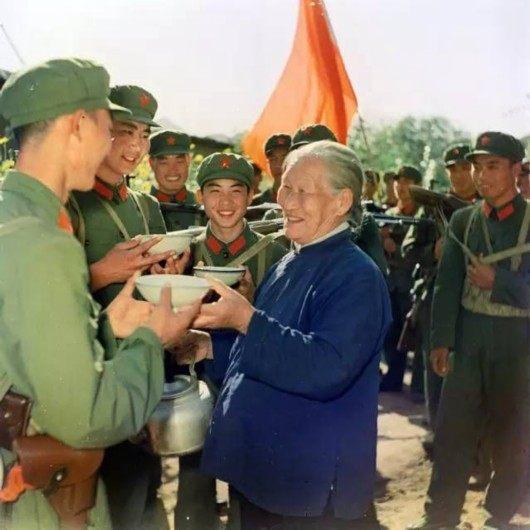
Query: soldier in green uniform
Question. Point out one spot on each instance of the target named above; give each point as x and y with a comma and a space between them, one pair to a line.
170, 157
57, 348
225, 182
276, 148
400, 278
370, 189
481, 311
106, 220
108, 217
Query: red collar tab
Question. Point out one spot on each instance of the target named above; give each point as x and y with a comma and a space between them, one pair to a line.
498, 214
177, 197
234, 248
213, 244
116, 193
237, 245
64, 222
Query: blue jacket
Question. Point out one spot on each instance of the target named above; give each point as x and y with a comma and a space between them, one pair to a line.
295, 425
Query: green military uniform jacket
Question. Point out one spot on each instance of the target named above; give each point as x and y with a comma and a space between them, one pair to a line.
400, 263
213, 251
178, 220
84, 394
94, 226
466, 332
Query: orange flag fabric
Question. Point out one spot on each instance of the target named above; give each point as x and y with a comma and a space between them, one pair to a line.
314, 86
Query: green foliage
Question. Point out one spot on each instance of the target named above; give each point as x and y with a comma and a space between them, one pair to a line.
412, 141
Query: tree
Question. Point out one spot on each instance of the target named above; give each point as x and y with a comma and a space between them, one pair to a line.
419, 142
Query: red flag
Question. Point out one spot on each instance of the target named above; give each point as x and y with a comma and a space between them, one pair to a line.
314, 86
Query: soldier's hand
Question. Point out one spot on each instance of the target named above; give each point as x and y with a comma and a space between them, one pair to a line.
171, 326
123, 260
389, 245
481, 275
232, 310
125, 313
246, 286
193, 346
440, 361
172, 265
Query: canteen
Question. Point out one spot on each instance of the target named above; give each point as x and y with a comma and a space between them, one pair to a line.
180, 421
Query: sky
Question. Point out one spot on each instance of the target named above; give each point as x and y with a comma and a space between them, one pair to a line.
212, 64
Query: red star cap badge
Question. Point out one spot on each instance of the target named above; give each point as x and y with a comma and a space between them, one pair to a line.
225, 162
144, 100
281, 141
308, 130
171, 140
485, 140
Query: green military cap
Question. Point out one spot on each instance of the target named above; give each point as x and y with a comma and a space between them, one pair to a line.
410, 173
312, 133
225, 166
277, 140
498, 144
141, 104
169, 142
456, 153
54, 88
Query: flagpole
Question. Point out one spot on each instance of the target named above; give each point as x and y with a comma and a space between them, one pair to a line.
12, 45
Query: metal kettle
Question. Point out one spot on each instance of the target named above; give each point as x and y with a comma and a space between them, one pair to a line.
180, 421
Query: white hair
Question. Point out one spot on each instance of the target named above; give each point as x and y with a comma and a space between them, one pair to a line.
345, 170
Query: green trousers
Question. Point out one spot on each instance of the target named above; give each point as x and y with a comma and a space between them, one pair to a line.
480, 391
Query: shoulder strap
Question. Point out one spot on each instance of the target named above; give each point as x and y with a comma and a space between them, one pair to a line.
81, 228
521, 239
143, 207
204, 255
115, 217
256, 248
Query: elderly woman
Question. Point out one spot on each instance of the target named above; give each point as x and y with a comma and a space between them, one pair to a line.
294, 430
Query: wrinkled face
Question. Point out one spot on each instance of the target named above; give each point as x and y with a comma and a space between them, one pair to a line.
225, 202
130, 145
495, 177
402, 189
310, 208
275, 159
171, 171
94, 143
461, 180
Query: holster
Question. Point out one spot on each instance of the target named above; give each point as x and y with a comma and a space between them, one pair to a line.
66, 476
14, 418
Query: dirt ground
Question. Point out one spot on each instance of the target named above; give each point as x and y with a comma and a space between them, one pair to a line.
403, 470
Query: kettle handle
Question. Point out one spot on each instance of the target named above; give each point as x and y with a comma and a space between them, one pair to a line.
193, 373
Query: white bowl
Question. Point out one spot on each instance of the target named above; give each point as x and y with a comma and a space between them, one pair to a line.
227, 275
176, 242
184, 289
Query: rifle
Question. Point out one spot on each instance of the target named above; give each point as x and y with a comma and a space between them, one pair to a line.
385, 220
264, 227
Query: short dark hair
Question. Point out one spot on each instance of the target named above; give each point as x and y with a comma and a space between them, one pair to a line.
23, 133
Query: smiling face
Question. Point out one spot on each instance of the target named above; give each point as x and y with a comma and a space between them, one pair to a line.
310, 208
495, 178
225, 203
171, 171
130, 145
461, 180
